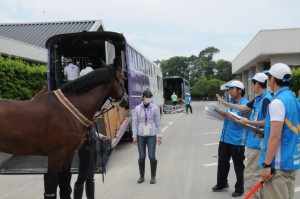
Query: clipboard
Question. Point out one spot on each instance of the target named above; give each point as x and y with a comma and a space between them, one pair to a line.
250, 127
212, 111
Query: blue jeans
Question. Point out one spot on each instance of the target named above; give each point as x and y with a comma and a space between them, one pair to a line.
150, 142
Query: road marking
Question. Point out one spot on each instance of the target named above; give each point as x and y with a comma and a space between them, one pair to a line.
211, 133
211, 164
211, 144
214, 164
164, 128
297, 189
169, 124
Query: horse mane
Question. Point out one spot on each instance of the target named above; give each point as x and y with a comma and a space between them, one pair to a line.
85, 83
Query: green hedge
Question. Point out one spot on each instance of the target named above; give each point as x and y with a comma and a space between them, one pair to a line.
20, 80
295, 85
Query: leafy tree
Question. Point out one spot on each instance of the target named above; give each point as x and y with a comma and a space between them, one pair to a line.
208, 53
214, 87
176, 66
200, 88
295, 83
207, 87
224, 70
206, 60
205, 75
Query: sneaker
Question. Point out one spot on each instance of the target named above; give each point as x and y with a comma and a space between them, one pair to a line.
236, 194
220, 188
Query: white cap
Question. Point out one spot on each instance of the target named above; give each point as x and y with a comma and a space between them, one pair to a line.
260, 77
187, 93
237, 84
279, 70
69, 60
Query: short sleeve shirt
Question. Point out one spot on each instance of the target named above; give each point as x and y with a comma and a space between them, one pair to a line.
277, 111
71, 72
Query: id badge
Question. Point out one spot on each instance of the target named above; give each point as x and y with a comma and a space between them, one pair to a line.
255, 116
146, 130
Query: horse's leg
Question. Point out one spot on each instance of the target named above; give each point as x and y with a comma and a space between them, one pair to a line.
65, 178
55, 163
50, 185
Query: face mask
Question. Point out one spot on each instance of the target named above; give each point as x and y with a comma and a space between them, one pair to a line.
147, 100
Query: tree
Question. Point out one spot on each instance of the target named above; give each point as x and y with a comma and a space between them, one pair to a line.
214, 87
295, 83
208, 53
224, 69
176, 66
200, 87
207, 87
206, 57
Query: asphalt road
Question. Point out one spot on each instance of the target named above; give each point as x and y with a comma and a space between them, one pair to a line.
187, 166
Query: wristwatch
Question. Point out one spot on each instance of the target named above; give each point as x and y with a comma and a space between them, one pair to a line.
264, 165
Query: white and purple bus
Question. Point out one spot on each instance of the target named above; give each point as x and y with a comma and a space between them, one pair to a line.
100, 49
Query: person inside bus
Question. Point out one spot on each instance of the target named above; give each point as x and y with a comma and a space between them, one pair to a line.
174, 99
187, 102
146, 132
87, 69
71, 71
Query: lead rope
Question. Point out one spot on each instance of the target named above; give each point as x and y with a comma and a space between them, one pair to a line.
104, 146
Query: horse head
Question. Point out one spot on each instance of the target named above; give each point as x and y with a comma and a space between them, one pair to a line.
119, 94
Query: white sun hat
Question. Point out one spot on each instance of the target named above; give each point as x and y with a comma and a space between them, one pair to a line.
260, 77
237, 84
279, 71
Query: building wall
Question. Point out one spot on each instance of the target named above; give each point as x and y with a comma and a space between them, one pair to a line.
265, 49
289, 59
23, 51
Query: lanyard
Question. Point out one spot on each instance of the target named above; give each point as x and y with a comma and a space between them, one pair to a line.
145, 111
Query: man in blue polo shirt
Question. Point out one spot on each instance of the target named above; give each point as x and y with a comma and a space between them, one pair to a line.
232, 143
258, 107
280, 151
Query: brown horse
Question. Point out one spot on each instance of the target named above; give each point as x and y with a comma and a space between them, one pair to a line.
55, 123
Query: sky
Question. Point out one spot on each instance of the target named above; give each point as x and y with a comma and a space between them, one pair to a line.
162, 29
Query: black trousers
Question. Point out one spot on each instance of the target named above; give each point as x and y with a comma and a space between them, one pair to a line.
237, 153
188, 106
87, 162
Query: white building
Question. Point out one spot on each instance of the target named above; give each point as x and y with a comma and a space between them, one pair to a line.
265, 49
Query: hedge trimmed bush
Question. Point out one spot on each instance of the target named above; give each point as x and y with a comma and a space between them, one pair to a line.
20, 80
